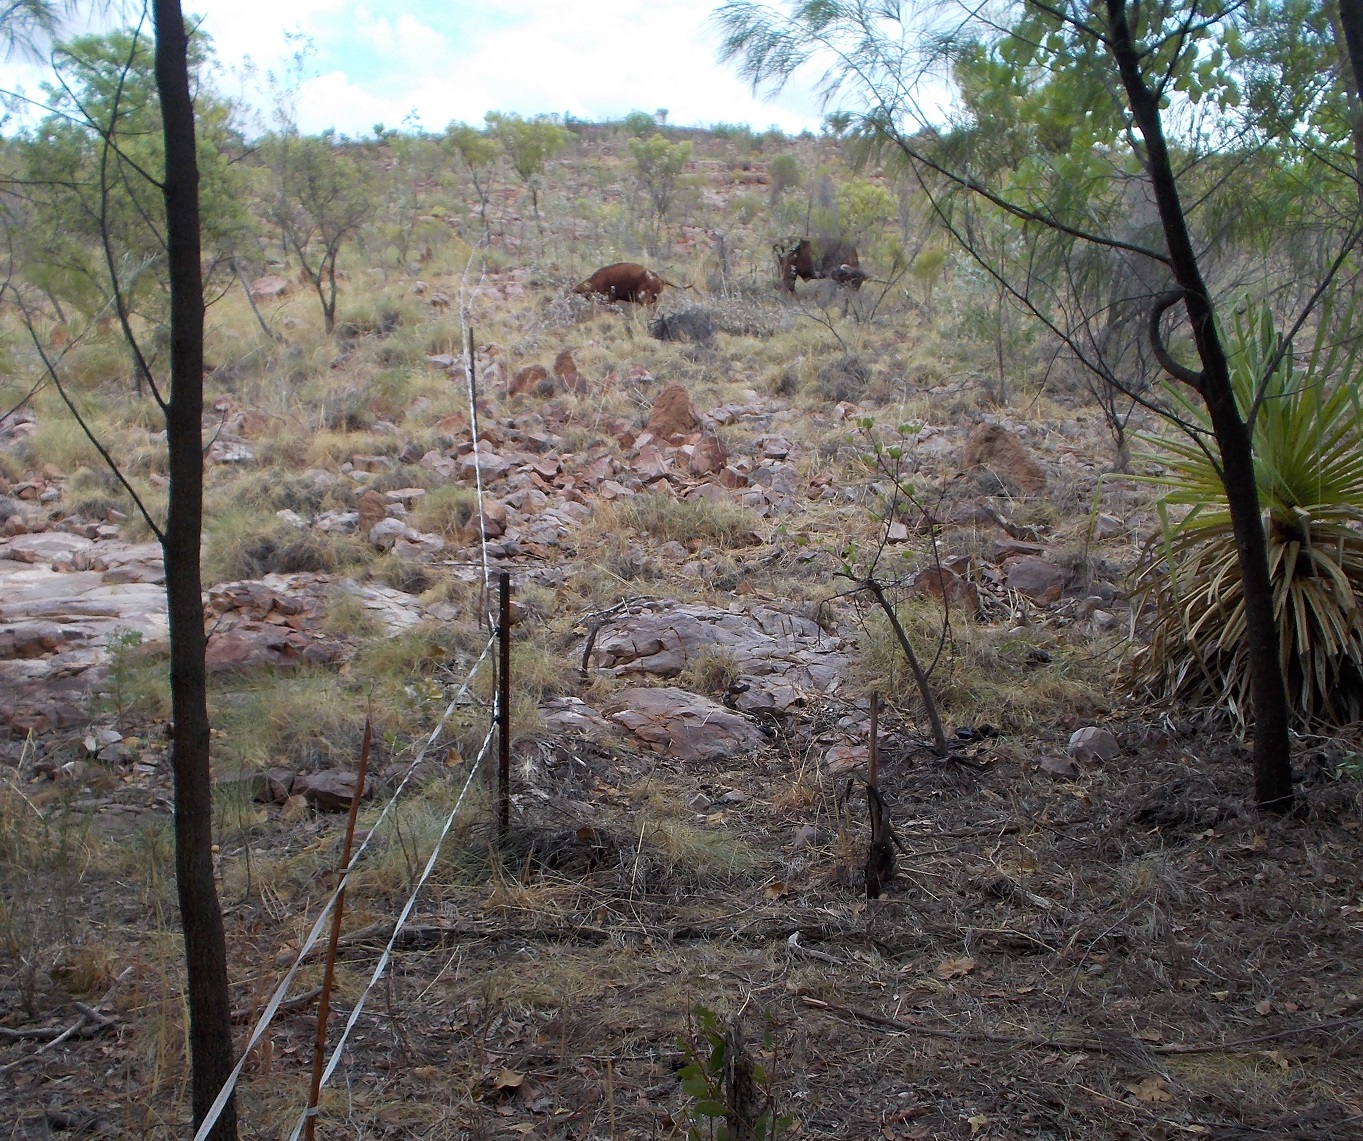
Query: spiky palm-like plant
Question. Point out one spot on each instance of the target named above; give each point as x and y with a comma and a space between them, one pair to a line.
1308, 465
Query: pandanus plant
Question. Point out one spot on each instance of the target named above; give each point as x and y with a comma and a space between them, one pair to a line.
1308, 467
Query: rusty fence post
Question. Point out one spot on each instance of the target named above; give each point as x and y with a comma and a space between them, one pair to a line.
329, 973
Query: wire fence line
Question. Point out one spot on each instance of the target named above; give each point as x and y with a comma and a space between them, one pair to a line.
277, 998
498, 717
382, 965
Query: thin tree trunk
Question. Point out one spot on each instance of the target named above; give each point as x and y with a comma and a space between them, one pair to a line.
251, 301
329, 302
939, 737
1272, 748
210, 1012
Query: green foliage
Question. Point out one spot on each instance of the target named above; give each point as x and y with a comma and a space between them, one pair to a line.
638, 123
784, 173
529, 144
724, 525
659, 165
323, 193
1308, 459
706, 1051
478, 153
93, 166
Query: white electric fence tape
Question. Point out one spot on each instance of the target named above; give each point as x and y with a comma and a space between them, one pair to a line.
387, 955
272, 1007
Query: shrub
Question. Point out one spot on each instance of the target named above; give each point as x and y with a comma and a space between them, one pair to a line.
1308, 463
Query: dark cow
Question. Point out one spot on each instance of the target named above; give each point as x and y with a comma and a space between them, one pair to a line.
801, 258
623, 281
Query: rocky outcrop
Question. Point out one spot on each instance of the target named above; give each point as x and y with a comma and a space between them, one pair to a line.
778, 656
684, 725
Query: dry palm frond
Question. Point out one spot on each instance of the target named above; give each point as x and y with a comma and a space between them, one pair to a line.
1308, 456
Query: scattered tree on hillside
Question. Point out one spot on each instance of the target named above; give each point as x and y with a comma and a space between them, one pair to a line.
94, 232
783, 172
639, 123
1101, 91
479, 154
322, 196
658, 165
529, 144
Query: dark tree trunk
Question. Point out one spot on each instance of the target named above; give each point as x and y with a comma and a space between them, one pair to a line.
210, 1024
1347, 24
1272, 749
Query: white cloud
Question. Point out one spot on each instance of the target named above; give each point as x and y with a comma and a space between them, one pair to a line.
459, 61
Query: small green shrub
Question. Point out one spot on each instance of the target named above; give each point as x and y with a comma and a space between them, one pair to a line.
246, 544
733, 1095
445, 510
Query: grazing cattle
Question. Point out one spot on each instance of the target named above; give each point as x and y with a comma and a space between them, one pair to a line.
801, 258
624, 281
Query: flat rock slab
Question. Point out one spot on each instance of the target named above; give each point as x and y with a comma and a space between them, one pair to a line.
765, 643
684, 725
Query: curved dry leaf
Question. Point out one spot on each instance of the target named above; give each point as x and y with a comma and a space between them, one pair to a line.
955, 968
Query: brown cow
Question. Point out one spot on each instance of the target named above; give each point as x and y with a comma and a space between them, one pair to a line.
623, 281
801, 258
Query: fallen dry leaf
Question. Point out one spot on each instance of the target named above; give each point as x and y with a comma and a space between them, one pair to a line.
1265, 1007
508, 1079
955, 968
777, 890
977, 1122
1151, 1090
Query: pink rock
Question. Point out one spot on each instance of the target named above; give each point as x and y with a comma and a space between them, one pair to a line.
269, 286
685, 725
708, 456
650, 464
330, 791
947, 585
1036, 578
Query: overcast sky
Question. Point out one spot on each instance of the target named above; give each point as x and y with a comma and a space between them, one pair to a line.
459, 59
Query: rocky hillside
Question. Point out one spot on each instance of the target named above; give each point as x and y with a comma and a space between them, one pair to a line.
1088, 933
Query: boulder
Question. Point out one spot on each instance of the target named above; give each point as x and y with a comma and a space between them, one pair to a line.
35, 639
684, 725
995, 448
673, 418
708, 456
1093, 745
650, 464
533, 380
386, 532
573, 715
951, 588
372, 508
1037, 579
330, 791
764, 643
269, 286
